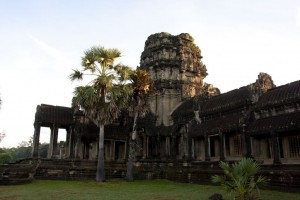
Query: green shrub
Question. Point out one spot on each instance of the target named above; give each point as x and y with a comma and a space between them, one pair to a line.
5, 158
239, 179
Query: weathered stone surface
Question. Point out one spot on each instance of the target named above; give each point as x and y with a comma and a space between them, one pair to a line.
175, 66
174, 62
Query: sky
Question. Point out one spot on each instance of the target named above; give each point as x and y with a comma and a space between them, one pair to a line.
41, 41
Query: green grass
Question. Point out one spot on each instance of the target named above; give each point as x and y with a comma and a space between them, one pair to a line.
118, 189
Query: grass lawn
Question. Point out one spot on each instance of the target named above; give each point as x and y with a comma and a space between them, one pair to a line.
118, 189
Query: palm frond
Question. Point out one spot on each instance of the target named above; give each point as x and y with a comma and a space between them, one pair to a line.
76, 75
89, 60
124, 72
113, 53
240, 177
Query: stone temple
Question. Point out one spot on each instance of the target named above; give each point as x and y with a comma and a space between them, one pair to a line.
191, 126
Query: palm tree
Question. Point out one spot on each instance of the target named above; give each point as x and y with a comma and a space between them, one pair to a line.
140, 83
104, 97
239, 178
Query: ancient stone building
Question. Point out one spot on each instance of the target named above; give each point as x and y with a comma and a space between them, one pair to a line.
190, 126
82, 135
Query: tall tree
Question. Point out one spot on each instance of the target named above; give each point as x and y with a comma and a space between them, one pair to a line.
103, 98
140, 84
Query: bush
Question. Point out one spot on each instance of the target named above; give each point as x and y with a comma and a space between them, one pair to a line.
239, 178
5, 158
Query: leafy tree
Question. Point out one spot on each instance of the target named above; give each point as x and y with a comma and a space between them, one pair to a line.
239, 178
141, 81
106, 94
43, 150
23, 150
5, 158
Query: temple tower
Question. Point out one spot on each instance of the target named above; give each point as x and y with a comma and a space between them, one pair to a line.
175, 66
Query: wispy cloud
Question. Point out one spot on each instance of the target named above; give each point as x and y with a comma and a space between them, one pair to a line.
57, 55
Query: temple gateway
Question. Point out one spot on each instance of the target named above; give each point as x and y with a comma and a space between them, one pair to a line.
191, 126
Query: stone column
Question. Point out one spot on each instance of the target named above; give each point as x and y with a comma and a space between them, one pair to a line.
86, 147
112, 149
36, 140
72, 142
246, 143
222, 145
50, 149
144, 146
276, 150
189, 147
193, 154
53, 141
207, 146
173, 147
157, 147
67, 144
168, 151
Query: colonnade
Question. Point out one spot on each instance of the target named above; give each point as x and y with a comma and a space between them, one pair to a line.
54, 148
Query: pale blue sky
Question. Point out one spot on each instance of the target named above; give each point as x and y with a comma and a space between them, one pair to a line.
42, 40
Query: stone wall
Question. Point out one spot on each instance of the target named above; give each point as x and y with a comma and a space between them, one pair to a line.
181, 171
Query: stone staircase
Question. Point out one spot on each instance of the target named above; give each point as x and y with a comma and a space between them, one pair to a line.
26, 170
20, 172
69, 169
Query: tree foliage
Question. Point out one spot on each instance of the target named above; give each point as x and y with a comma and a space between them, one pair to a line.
239, 178
102, 98
5, 158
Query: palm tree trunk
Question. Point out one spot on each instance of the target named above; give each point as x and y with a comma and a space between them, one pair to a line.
100, 174
131, 154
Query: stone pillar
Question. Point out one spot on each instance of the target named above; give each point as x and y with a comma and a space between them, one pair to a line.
189, 148
67, 145
207, 146
246, 143
173, 147
222, 145
168, 151
72, 143
77, 147
193, 149
50, 149
55, 146
157, 147
53, 141
86, 147
276, 150
145, 146
112, 149
36, 140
